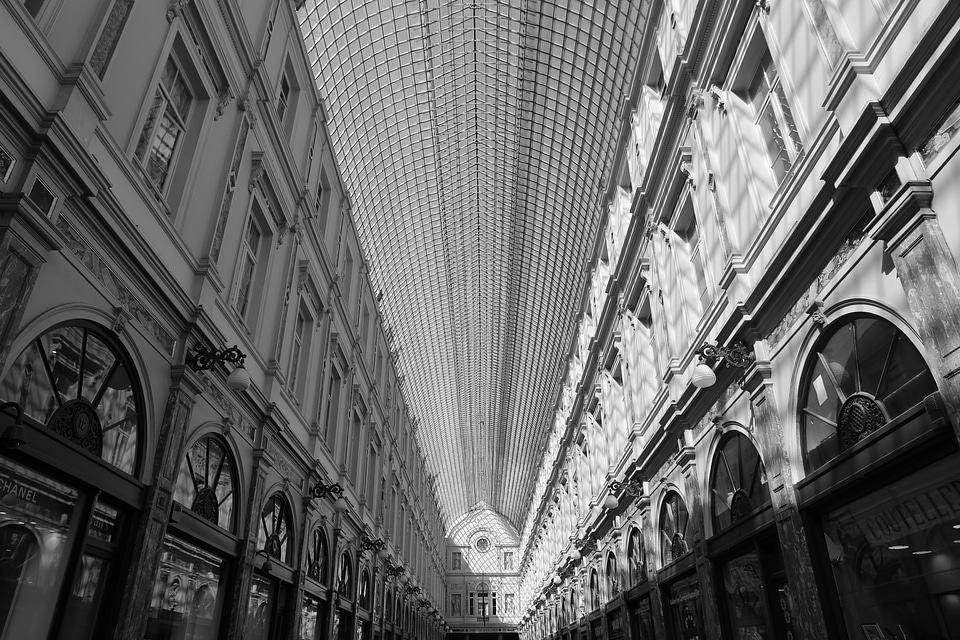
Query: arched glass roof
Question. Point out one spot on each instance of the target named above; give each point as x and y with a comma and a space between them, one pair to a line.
476, 138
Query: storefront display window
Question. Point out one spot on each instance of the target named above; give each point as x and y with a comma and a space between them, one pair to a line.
36, 514
739, 484
187, 601
641, 619
865, 373
75, 381
309, 615
673, 529
259, 611
746, 600
683, 601
895, 556
205, 482
364, 595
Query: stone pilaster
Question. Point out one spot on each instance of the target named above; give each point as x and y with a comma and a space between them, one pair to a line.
25, 238
708, 596
240, 594
147, 539
807, 611
928, 272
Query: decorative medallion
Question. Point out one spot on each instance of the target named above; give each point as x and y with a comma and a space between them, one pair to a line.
273, 546
859, 416
678, 547
78, 422
207, 505
482, 545
740, 505
313, 571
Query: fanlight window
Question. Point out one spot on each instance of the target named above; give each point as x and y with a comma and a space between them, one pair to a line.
274, 535
613, 580
345, 577
864, 373
594, 590
317, 557
364, 596
82, 386
205, 482
636, 557
739, 484
673, 528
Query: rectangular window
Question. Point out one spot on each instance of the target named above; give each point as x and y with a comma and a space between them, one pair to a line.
298, 339
252, 241
333, 406
365, 327
687, 231
109, 37
773, 117
283, 97
456, 558
355, 432
7, 163
163, 132
33, 7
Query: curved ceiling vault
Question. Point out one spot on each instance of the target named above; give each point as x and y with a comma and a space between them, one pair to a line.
475, 139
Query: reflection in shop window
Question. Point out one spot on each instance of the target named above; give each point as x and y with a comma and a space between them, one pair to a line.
895, 555
79, 384
187, 600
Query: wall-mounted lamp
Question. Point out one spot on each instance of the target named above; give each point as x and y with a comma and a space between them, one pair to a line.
204, 359
378, 546
395, 572
267, 565
412, 589
556, 579
630, 487
321, 490
738, 355
583, 546
15, 435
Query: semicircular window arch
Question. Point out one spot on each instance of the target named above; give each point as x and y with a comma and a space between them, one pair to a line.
317, 555
345, 576
80, 382
206, 483
862, 373
674, 520
738, 481
636, 556
275, 533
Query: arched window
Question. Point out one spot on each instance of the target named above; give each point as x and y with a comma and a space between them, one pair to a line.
862, 373
345, 577
79, 382
636, 556
275, 535
594, 590
364, 595
317, 556
205, 483
739, 483
388, 606
574, 613
673, 528
613, 580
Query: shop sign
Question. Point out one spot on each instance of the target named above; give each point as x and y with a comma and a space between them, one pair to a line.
910, 514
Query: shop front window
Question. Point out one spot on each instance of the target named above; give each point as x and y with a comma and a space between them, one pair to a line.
739, 484
259, 611
310, 619
78, 383
746, 600
205, 482
863, 374
895, 556
683, 602
673, 529
187, 601
35, 520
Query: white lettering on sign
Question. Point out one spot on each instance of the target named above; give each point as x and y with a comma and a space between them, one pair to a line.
8, 486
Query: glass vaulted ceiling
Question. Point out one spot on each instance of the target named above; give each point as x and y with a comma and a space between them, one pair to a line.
475, 139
